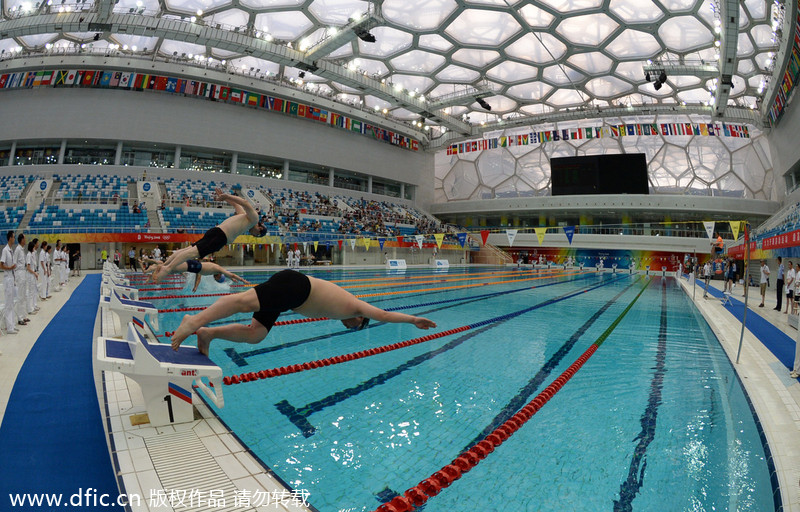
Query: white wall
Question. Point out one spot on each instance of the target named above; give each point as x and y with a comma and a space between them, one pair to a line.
784, 145
148, 116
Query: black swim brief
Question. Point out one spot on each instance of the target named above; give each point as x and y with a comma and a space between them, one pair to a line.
194, 266
283, 291
214, 240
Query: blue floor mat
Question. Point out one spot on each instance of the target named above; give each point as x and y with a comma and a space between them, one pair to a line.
52, 438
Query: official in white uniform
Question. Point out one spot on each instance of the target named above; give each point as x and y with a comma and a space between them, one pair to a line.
21, 279
33, 277
7, 265
44, 284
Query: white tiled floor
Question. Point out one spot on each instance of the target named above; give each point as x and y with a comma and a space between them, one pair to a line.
775, 396
203, 457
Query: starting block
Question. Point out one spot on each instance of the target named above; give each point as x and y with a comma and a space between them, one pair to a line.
127, 292
127, 309
726, 298
441, 263
164, 375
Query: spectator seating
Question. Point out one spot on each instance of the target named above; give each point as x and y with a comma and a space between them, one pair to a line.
90, 188
13, 186
88, 219
195, 220
11, 217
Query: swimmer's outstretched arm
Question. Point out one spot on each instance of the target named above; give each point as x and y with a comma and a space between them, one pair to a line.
369, 311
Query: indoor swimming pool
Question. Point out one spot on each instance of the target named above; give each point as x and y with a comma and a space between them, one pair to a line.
655, 419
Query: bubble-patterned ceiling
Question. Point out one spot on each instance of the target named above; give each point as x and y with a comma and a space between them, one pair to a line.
535, 56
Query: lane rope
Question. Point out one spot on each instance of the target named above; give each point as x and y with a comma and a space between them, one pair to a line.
295, 368
418, 495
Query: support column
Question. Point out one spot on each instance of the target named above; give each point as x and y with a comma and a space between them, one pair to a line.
118, 155
286, 170
11, 153
177, 163
330, 178
234, 163
402, 191
61, 152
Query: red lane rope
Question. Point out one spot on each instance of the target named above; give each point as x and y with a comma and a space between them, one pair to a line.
295, 368
158, 290
431, 486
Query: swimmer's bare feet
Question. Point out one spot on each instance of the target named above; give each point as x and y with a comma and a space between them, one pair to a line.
183, 331
204, 338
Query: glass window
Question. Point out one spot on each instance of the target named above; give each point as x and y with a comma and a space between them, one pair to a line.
205, 162
349, 181
90, 154
385, 188
4, 154
263, 169
148, 157
36, 155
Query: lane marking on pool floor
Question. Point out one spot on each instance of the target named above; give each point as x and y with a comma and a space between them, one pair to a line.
431, 486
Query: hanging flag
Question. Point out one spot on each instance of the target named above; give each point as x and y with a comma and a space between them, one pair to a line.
272, 247
484, 235
511, 234
315, 245
295, 246
540, 234
419, 239
305, 246
735, 225
462, 239
366, 242
709, 225
353, 244
381, 241
439, 237
570, 232
340, 244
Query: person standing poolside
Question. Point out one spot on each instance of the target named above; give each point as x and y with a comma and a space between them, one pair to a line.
790, 277
21, 280
244, 220
288, 289
763, 281
779, 283
8, 267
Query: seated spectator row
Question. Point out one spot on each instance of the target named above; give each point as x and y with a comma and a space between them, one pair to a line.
90, 219
194, 220
85, 187
13, 186
11, 217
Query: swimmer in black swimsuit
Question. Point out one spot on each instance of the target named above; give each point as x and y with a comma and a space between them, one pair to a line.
245, 220
200, 268
288, 289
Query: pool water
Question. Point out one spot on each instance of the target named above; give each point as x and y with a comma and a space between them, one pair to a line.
655, 420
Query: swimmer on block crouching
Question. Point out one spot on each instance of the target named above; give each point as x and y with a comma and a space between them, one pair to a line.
288, 289
244, 220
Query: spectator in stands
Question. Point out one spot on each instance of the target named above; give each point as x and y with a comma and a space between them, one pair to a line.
244, 220
288, 289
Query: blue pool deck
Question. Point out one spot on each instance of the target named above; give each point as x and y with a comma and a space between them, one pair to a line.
204, 454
